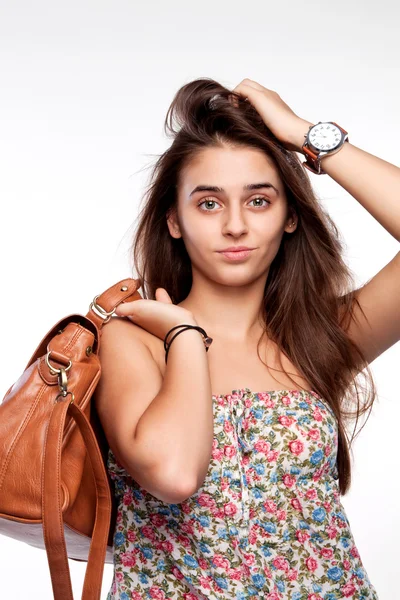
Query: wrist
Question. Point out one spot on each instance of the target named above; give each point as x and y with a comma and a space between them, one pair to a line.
299, 133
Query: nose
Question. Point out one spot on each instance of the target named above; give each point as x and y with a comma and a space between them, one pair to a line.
234, 222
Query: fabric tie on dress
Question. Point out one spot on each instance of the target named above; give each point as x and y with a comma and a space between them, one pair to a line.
240, 412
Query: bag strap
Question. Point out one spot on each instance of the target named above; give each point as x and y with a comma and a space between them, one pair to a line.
53, 528
100, 312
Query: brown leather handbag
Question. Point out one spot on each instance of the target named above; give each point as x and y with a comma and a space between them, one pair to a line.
55, 491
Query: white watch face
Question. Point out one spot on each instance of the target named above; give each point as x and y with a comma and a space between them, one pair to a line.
325, 136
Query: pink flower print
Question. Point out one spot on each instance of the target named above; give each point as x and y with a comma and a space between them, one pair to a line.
128, 559
206, 500
205, 582
286, 400
281, 515
317, 415
314, 434
267, 572
302, 535
220, 561
347, 564
176, 572
326, 552
273, 596
288, 480
253, 536
217, 454
182, 539
332, 531
250, 559
235, 574
317, 474
119, 576
248, 402
229, 451
314, 597
270, 506
296, 504
292, 574
296, 447
348, 589
131, 535
136, 596
285, 420
262, 446
167, 547
190, 596
311, 494
354, 552
157, 593
157, 520
280, 562
202, 563
230, 509
311, 563
327, 450
269, 402
228, 428
128, 497
148, 532
186, 508
187, 528
272, 455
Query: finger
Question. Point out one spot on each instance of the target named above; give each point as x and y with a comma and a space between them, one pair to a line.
163, 296
248, 92
127, 308
252, 83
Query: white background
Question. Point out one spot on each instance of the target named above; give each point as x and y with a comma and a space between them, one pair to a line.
84, 91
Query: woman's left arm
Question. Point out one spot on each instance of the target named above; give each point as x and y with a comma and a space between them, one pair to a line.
375, 184
372, 181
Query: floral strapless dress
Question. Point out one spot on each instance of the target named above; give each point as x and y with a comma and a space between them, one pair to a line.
266, 523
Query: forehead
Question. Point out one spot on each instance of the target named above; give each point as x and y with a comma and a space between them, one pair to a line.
228, 167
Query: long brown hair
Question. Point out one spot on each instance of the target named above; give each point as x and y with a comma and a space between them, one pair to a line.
309, 291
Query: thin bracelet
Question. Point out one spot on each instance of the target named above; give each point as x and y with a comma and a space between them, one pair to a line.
207, 340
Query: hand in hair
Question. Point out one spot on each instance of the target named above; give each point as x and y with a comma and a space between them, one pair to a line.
287, 127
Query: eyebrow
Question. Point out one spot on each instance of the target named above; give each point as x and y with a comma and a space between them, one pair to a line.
250, 186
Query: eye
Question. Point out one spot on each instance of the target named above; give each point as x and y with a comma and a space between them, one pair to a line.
207, 201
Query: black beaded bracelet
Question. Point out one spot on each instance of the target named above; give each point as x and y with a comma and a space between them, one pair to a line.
207, 340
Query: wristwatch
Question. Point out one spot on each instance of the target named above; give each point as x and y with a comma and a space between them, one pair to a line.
326, 137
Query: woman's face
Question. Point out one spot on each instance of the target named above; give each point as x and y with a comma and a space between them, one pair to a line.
212, 220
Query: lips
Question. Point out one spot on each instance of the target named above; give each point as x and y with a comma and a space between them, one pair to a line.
235, 249
237, 255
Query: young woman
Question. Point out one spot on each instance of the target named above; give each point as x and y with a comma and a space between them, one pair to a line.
229, 455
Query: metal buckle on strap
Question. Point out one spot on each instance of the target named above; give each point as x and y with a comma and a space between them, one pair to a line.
99, 310
53, 370
62, 379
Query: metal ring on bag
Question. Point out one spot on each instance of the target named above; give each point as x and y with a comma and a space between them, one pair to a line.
54, 371
61, 395
100, 310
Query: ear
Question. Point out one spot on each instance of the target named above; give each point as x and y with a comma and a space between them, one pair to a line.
172, 223
291, 222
